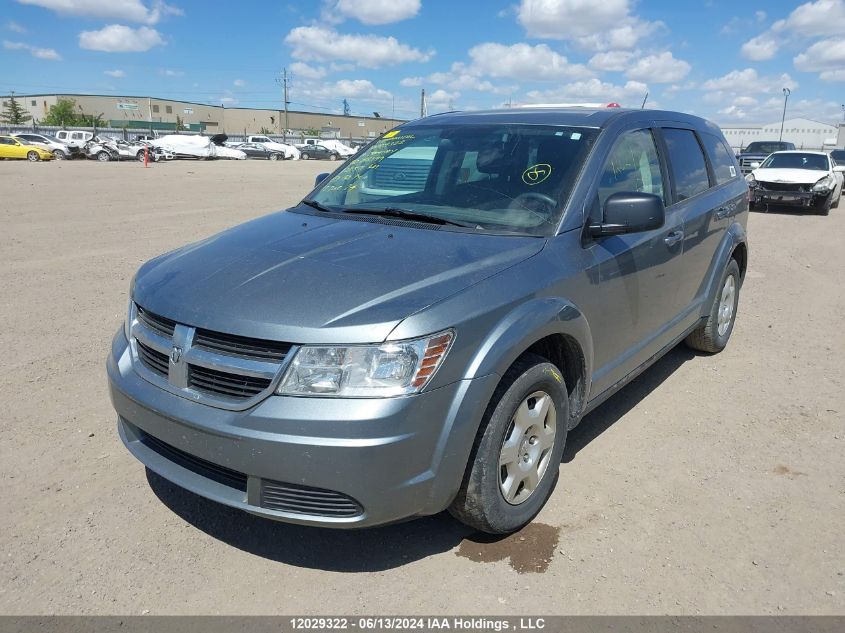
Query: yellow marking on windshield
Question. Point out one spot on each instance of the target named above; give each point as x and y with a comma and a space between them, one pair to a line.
536, 174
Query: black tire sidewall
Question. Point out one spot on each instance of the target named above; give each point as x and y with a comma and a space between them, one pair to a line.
500, 516
731, 269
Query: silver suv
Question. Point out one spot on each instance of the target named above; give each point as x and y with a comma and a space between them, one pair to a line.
424, 337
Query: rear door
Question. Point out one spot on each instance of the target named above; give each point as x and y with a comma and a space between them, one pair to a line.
703, 174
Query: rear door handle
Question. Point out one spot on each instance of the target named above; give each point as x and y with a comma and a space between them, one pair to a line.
673, 238
722, 212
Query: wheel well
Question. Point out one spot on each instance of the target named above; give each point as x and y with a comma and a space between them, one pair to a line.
740, 254
564, 352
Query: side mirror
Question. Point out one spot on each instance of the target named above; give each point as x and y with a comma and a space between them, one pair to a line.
839, 168
754, 165
320, 178
630, 212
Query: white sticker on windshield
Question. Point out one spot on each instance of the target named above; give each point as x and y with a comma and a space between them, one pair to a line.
733, 171
575, 136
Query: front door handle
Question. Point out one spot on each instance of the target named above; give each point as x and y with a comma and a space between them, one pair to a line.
673, 238
722, 212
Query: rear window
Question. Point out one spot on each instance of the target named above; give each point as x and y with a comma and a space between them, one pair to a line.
687, 161
721, 159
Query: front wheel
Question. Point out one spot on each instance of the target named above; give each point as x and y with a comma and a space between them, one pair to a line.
712, 336
823, 206
103, 156
274, 157
514, 462
304, 156
59, 154
333, 157
33, 156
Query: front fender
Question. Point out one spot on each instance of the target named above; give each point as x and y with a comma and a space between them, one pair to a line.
524, 326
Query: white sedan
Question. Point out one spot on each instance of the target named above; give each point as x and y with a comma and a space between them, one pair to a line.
806, 179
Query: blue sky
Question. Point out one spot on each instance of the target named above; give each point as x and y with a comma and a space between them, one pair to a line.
728, 61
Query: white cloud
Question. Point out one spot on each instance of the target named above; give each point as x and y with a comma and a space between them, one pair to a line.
375, 11
316, 43
613, 61
462, 77
115, 73
825, 55
599, 26
302, 69
660, 68
117, 38
748, 81
592, 90
228, 101
35, 51
170, 72
411, 82
360, 89
524, 62
15, 27
125, 10
815, 19
239, 83
760, 16
760, 48
771, 110
832, 75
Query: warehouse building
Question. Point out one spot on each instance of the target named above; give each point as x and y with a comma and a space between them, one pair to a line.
145, 113
804, 133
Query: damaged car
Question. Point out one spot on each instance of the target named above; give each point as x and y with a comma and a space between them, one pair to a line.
808, 180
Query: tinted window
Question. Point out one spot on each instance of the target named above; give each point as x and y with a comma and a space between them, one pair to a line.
767, 147
721, 159
789, 160
838, 156
687, 161
633, 165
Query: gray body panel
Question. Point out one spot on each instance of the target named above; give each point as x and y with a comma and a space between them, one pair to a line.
306, 278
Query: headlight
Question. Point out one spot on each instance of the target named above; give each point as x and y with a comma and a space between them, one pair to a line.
131, 313
361, 371
824, 185
751, 180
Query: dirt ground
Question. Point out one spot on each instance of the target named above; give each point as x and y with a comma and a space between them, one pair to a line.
710, 485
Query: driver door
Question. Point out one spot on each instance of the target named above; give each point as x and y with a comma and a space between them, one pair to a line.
639, 274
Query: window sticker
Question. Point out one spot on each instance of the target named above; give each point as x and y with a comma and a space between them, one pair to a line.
575, 136
733, 171
536, 174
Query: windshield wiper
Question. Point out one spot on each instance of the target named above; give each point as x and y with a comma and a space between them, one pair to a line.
405, 214
316, 205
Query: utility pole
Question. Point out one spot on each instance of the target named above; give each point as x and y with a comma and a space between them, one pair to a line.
422, 103
786, 93
345, 107
283, 81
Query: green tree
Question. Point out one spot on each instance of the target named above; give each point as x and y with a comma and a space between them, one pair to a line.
63, 113
14, 112
312, 131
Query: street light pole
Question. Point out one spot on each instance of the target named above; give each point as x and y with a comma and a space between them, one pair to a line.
786, 93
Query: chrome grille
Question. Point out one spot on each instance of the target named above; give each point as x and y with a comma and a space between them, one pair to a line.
216, 368
276, 495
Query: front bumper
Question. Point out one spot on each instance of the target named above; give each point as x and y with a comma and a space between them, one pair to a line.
390, 458
795, 198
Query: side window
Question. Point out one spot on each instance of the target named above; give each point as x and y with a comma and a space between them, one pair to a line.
633, 165
721, 160
687, 161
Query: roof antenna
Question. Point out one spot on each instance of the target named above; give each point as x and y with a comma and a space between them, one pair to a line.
645, 98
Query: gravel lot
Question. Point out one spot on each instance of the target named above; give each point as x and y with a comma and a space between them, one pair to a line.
709, 485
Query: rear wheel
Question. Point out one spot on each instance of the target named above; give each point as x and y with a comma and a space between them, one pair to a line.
304, 156
713, 335
514, 462
59, 154
274, 157
103, 156
333, 157
33, 156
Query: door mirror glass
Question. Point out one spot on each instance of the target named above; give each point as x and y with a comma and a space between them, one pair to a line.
320, 178
630, 212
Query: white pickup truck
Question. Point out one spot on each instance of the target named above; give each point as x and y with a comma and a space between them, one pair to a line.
290, 152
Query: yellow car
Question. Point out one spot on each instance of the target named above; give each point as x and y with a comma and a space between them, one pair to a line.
13, 148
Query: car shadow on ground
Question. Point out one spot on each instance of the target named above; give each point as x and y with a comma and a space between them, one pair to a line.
382, 548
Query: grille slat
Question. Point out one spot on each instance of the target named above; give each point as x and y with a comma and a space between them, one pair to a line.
783, 186
153, 359
307, 500
215, 472
223, 382
241, 345
158, 324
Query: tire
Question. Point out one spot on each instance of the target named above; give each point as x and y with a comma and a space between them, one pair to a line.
274, 157
823, 208
837, 195
480, 502
33, 157
103, 156
711, 336
333, 157
140, 156
304, 156
59, 154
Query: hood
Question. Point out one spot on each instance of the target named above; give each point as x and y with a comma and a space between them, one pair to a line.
310, 279
796, 176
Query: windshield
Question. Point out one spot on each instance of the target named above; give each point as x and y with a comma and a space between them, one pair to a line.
507, 178
796, 161
766, 148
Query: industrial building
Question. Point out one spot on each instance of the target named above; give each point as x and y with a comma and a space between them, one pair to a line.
152, 113
804, 133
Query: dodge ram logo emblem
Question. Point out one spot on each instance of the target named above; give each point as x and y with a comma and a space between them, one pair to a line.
175, 355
